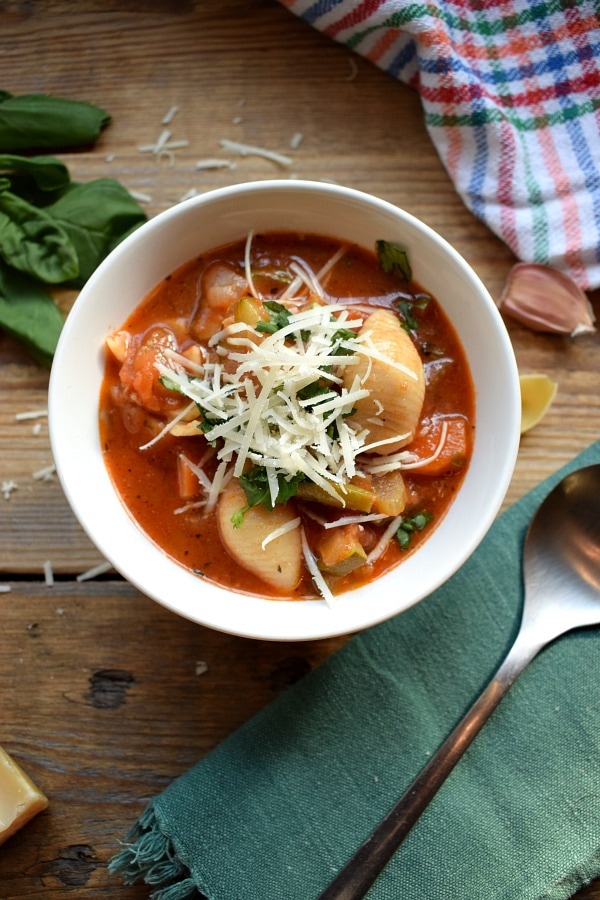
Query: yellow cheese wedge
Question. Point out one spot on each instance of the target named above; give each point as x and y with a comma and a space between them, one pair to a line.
537, 393
20, 799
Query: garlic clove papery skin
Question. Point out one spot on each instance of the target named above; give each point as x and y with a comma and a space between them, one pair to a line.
545, 299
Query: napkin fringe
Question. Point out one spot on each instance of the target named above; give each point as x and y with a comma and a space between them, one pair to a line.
149, 855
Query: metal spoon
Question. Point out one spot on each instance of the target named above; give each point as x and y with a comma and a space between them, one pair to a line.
561, 565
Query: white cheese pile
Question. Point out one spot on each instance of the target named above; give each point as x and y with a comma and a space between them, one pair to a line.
264, 411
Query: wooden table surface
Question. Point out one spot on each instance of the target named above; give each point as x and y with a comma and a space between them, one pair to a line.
102, 695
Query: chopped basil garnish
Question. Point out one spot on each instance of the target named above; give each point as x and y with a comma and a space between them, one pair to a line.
406, 304
408, 526
279, 317
393, 259
169, 384
206, 424
312, 391
342, 334
255, 484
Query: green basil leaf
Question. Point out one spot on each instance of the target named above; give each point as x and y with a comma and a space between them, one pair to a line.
34, 121
96, 216
32, 242
279, 317
28, 313
5, 184
409, 525
48, 173
256, 487
288, 487
393, 259
313, 390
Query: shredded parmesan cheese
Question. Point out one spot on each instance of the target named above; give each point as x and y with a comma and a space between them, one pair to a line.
141, 197
163, 146
8, 487
321, 276
317, 576
170, 115
162, 141
215, 163
188, 507
45, 474
406, 460
353, 69
181, 415
32, 414
198, 471
397, 437
221, 479
251, 150
355, 520
382, 544
48, 574
248, 267
100, 569
258, 410
184, 361
188, 195
279, 532
429, 459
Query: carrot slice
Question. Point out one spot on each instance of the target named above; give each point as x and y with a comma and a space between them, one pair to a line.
455, 451
187, 480
340, 550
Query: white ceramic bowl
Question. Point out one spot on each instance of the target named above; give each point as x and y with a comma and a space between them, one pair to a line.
220, 217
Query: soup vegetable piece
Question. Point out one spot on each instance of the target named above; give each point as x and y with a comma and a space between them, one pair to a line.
288, 416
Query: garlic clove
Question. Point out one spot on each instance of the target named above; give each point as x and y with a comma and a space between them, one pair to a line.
537, 393
545, 299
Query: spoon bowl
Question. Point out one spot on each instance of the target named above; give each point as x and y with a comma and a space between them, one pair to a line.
561, 561
561, 568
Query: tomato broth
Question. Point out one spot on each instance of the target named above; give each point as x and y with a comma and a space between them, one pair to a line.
164, 477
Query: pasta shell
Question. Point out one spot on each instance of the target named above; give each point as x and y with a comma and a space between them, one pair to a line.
394, 376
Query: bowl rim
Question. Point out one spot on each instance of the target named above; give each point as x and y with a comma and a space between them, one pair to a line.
317, 620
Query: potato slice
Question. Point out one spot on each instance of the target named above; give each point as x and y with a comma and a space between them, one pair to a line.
280, 563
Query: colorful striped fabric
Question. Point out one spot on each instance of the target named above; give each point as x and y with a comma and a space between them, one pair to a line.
511, 96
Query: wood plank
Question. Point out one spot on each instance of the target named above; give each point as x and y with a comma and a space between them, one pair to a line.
99, 694
102, 706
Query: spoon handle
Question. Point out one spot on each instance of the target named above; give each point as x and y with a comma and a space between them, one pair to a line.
356, 877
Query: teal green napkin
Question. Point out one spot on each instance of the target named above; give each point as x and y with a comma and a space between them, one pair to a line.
278, 807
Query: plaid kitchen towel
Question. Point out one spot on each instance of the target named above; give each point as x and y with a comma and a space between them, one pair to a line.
511, 95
